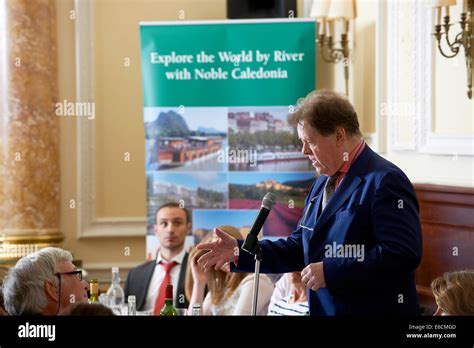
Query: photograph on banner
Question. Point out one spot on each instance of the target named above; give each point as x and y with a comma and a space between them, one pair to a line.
246, 190
260, 139
185, 138
189, 190
205, 220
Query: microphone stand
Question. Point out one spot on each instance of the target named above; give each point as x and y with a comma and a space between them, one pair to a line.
251, 246
251, 243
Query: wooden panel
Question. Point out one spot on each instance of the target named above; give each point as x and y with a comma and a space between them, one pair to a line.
447, 220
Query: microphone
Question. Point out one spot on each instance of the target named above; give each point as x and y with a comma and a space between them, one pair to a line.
251, 242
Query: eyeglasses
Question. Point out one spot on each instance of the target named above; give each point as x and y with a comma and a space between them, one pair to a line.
77, 273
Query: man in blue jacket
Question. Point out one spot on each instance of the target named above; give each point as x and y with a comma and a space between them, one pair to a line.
359, 241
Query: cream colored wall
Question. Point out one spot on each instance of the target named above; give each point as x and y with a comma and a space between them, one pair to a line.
119, 104
120, 184
406, 129
450, 82
452, 111
361, 67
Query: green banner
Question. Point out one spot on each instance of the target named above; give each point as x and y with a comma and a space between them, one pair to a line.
232, 64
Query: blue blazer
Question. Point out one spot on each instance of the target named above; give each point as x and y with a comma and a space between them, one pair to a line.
373, 210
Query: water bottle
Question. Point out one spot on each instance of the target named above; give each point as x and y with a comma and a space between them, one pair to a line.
132, 305
115, 294
103, 299
196, 310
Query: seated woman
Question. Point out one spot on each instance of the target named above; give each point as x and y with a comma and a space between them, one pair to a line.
289, 297
454, 293
229, 293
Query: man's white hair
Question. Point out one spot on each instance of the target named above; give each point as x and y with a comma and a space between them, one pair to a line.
23, 287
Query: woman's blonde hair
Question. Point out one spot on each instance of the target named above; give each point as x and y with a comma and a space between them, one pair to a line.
218, 282
454, 292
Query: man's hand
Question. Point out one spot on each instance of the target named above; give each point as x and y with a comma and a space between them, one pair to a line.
313, 276
225, 249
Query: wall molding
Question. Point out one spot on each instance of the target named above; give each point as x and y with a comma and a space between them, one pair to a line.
107, 266
426, 141
378, 140
88, 225
393, 76
429, 141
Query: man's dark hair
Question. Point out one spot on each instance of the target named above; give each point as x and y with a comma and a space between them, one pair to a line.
324, 111
173, 205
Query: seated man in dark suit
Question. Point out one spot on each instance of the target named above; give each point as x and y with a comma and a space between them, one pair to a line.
147, 281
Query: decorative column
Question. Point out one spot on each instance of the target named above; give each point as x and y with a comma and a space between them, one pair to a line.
29, 128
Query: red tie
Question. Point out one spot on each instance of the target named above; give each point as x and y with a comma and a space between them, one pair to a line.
160, 299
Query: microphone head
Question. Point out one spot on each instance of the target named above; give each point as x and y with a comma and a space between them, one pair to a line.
269, 201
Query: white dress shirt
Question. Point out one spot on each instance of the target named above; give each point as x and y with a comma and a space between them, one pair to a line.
159, 275
282, 290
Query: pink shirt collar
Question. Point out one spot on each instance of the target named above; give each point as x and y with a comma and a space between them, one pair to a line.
347, 164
